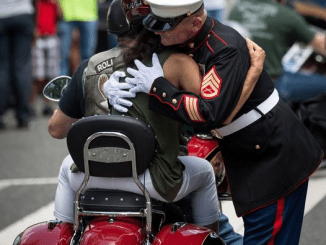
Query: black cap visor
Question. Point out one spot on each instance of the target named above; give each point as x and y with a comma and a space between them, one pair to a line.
155, 23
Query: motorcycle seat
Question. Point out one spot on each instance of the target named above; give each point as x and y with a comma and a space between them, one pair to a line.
137, 131
104, 200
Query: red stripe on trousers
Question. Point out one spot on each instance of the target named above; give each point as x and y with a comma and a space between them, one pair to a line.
278, 220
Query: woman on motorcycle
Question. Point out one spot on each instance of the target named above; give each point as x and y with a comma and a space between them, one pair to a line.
169, 178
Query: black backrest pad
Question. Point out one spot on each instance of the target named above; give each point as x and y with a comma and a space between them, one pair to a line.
137, 131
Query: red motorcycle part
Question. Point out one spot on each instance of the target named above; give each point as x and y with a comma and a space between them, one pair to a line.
43, 233
206, 148
118, 232
201, 147
186, 234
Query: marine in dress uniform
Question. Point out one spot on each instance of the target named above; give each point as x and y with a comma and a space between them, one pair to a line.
268, 153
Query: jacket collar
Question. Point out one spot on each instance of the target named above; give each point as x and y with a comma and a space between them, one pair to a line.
199, 39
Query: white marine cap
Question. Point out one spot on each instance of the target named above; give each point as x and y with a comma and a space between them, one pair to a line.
166, 14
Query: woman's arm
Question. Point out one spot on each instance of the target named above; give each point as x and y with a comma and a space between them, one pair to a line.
184, 73
257, 58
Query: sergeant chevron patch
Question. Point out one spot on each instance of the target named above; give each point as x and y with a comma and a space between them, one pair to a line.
191, 107
211, 84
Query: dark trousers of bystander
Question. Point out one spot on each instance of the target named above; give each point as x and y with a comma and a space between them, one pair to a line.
16, 36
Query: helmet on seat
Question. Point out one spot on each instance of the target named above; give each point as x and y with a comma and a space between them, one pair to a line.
116, 19
135, 11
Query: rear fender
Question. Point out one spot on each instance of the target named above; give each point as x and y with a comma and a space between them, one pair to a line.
119, 232
47, 233
185, 234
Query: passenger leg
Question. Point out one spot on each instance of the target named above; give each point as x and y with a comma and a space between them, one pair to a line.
199, 182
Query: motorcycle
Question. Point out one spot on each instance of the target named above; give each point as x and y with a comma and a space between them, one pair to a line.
115, 146
206, 146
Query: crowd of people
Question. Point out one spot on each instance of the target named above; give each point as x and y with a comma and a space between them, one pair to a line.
276, 27
40, 40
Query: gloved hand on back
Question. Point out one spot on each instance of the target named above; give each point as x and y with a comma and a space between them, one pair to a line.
144, 77
116, 93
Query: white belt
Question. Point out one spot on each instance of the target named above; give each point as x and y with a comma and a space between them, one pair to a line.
248, 118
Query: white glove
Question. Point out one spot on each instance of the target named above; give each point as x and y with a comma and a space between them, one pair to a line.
144, 76
115, 93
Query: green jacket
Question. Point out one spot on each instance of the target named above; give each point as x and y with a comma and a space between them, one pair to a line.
166, 170
272, 26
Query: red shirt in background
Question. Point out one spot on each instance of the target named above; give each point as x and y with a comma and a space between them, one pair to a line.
46, 18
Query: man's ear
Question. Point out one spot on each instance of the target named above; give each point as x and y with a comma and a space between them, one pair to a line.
197, 23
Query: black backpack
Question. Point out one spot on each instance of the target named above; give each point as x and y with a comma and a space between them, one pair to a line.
313, 114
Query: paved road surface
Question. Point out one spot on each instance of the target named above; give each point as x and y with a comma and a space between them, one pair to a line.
29, 165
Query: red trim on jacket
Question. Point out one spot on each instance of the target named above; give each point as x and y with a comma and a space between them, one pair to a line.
201, 44
218, 37
193, 38
164, 102
210, 48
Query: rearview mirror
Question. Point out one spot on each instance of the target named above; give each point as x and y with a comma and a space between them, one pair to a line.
54, 89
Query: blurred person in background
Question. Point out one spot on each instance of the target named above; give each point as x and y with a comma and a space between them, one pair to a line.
80, 14
276, 28
321, 3
105, 40
46, 51
16, 36
215, 9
